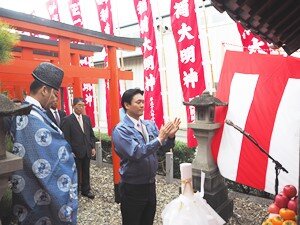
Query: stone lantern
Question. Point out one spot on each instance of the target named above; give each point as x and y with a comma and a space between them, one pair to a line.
8, 161
216, 193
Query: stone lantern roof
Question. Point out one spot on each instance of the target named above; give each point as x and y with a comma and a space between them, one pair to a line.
205, 99
9, 108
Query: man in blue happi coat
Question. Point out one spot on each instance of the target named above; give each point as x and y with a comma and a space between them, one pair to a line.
137, 143
45, 191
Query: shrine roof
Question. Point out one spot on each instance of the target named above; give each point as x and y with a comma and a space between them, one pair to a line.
13, 15
277, 22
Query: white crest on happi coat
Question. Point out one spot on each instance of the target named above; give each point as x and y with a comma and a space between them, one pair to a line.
104, 14
149, 63
182, 9
146, 44
190, 78
144, 25
256, 46
184, 32
142, 7
187, 54
150, 82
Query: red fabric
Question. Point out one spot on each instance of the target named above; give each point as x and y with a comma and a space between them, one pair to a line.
251, 42
106, 25
105, 16
66, 106
153, 99
273, 72
52, 7
87, 89
185, 31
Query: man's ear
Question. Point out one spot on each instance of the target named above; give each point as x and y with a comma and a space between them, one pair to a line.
126, 104
44, 90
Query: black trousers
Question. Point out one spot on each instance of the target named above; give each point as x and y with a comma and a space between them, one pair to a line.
83, 171
138, 203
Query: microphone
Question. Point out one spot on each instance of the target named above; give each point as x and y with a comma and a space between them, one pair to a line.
230, 123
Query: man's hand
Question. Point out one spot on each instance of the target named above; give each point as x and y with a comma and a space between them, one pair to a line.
175, 128
164, 131
93, 152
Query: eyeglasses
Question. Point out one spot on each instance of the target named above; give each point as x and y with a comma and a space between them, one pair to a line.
80, 105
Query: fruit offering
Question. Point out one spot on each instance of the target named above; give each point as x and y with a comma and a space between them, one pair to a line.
283, 211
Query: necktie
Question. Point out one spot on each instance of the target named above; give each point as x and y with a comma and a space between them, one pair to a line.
80, 122
143, 131
56, 116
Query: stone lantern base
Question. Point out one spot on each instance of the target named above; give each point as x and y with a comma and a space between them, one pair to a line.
216, 193
8, 165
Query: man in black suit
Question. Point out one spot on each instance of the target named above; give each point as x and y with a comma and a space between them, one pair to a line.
56, 115
78, 131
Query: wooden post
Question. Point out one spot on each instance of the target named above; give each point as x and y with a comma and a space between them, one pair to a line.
114, 105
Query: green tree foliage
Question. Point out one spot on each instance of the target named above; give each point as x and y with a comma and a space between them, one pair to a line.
7, 41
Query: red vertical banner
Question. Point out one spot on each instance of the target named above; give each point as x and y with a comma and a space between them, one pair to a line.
106, 25
52, 7
186, 34
153, 99
252, 43
87, 89
105, 16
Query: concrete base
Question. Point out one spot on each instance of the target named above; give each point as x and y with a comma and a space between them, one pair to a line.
8, 165
216, 193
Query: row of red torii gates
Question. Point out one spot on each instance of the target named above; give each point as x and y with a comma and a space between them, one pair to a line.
65, 48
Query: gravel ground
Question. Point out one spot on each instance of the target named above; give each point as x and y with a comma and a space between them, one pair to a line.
104, 211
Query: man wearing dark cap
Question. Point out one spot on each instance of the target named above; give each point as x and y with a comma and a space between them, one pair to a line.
45, 191
79, 133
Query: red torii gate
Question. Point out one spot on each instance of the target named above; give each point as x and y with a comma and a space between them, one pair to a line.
63, 51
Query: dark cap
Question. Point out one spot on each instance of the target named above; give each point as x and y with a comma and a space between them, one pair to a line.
48, 74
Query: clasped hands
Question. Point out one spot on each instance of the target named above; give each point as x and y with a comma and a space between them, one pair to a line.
169, 129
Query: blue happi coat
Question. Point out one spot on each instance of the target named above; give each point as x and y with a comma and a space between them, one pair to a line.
45, 191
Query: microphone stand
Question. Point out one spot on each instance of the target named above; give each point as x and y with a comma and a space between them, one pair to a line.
278, 165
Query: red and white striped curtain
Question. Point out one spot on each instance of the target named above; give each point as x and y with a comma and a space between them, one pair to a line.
87, 89
185, 31
106, 25
52, 7
263, 95
153, 99
252, 43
